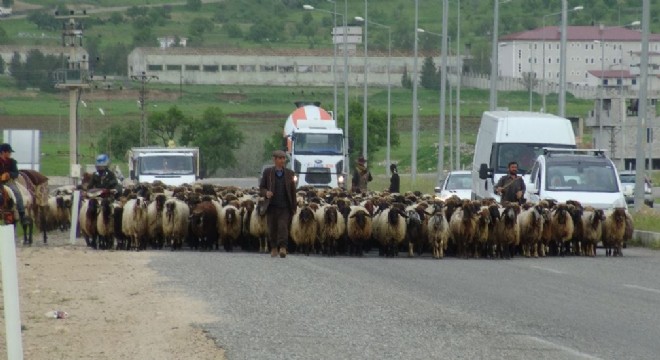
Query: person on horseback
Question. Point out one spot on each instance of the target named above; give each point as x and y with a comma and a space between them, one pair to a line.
104, 178
8, 174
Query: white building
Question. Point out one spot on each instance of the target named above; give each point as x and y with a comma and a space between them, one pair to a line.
170, 41
292, 67
537, 52
7, 52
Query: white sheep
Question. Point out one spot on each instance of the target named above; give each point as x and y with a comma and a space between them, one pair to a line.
155, 221
259, 227
331, 228
464, 227
134, 223
304, 229
507, 230
359, 229
390, 230
614, 231
438, 231
175, 222
592, 225
531, 224
87, 220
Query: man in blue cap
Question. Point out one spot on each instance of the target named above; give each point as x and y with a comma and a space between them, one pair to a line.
8, 175
104, 178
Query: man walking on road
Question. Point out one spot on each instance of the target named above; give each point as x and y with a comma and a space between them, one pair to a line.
511, 187
279, 188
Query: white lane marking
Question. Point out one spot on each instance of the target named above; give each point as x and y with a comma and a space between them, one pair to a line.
563, 348
547, 269
642, 288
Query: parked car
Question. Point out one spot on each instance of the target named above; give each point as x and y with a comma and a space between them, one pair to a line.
456, 183
627, 179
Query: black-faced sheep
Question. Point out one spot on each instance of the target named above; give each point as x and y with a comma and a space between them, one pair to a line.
463, 227
614, 231
229, 225
359, 229
155, 221
562, 228
105, 223
592, 227
438, 231
304, 229
87, 220
331, 228
507, 231
389, 229
531, 224
204, 225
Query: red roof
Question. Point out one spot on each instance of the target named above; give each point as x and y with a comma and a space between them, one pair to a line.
580, 33
624, 74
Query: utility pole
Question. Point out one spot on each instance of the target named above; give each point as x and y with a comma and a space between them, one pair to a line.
643, 108
562, 58
443, 90
74, 79
143, 78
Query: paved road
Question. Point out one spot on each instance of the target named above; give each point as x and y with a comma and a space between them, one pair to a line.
374, 308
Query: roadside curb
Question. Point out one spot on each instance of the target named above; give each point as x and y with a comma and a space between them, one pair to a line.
647, 238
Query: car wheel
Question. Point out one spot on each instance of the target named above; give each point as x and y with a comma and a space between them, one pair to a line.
649, 203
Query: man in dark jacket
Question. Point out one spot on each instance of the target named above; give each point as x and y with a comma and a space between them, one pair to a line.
511, 187
104, 178
279, 188
395, 182
8, 175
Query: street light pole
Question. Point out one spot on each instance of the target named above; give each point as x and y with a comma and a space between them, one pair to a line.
643, 107
458, 85
346, 150
493, 57
601, 94
562, 60
413, 160
364, 100
443, 89
334, 62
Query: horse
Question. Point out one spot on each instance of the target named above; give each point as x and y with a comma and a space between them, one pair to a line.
10, 212
35, 185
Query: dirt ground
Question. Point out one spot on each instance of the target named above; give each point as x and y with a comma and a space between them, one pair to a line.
116, 307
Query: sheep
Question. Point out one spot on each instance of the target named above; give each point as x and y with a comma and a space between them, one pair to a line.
438, 231
389, 229
576, 210
331, 228
155, 221
614, 231
134, 223
175, 220
592, 225
415, 229
562, 227
304, 229
247, 207
546, 233
229, 226
507, 231
359, 229
259, 227
630, 228
204, 225
59, 211
483, 231
463, 227
87, 220
531, 224
494, 212
105, 223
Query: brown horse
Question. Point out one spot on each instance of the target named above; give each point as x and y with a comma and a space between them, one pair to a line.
10, 212
35, 185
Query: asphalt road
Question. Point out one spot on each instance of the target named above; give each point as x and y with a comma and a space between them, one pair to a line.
376, 308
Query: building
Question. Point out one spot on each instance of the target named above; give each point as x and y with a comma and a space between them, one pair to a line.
171, 41
287, 67
537, 52
7, 52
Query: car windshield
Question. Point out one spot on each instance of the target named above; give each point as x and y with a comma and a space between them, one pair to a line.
523, 154
583, 176
166, 165
627, 178
318, 144
459, 182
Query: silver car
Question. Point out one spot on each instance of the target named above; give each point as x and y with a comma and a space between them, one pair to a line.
457, 183
627, 179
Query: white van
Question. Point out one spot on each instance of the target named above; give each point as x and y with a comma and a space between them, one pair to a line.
587, 176
520, 136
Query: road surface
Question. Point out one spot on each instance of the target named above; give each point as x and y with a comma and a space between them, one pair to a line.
375, 308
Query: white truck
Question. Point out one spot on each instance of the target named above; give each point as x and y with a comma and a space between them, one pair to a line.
5, 11
171, 165
315, 146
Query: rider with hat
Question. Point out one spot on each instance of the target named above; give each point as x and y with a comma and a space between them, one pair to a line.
8, 175
104, 178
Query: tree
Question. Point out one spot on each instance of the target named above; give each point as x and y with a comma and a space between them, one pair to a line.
144, 37
233, 30
2, 65
116, 18
529, 80
7, 3
272, 143
44, 21
117, 139
406, 82
376, 129
4, 38
164, 125
216, 137
193, 5
429, 78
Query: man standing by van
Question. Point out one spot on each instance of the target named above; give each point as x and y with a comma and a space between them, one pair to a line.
511, 187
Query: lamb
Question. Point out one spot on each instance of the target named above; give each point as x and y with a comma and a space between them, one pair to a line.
531, 224
259, 227
175, 222
562, 227
359, 229
592, 225
304, 229
87, 220
390, 230
507, 231
331, 228
155, 221
229, 226
105, 224
204, 225
614, 231
438, 231
134, 223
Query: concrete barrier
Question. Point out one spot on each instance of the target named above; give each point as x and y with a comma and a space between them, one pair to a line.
647, 238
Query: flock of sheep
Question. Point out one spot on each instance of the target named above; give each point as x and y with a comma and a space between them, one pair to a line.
334, 222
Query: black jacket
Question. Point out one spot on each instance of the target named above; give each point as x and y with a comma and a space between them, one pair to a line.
12, 169
268, 184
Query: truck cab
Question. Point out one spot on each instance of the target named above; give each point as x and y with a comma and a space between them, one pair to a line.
587, 176
171, 166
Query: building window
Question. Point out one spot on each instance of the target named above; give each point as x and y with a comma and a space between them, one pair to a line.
535, 60
557, 46
535, 46
604, 82
634, 81
586, 75
152, 67
192, 67
286, 69
549, 60
592, 60
586, 61
228, 67
211, 68
268, 68
173, 67
586, 46
557, 60
248, 68
519, 68
326, 68
592, 46
519, 54
619, 81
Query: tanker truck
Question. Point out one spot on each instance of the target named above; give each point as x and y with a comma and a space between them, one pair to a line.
315, 146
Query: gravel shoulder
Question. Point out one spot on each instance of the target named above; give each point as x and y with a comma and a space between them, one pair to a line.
118, 307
